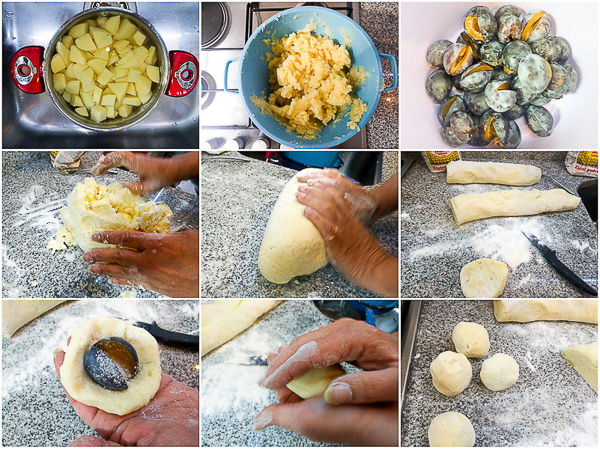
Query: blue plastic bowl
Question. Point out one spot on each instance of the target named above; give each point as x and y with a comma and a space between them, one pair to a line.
253, 75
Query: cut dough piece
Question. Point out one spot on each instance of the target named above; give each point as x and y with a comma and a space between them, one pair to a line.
291, 246
451, 429
83, 388
471, 339
526, 310
483, 278
584, 358
224, 319
510, 203
315, 381
451, 373
467, 172
17, 313
499, 372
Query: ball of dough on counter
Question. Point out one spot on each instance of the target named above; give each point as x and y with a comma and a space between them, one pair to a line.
499, 372
471, 339
451, 429
451, 373
483, 278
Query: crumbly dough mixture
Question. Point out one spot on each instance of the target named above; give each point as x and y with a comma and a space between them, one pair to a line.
312, 80
93, 207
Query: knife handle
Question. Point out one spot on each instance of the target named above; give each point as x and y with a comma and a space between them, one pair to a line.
175, 339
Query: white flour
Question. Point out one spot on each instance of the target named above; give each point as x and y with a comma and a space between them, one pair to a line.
581, 246
39, 214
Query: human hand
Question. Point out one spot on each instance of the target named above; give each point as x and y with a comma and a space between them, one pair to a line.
170, 418
165, 263
357, 409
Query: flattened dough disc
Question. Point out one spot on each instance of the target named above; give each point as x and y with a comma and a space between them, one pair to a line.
315, 381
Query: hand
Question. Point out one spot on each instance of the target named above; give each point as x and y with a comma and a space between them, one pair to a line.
357, 409
165, 263
350, 246
154, 172
170, 418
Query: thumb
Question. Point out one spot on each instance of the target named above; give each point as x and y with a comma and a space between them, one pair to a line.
282, 415
90, 441
365, 387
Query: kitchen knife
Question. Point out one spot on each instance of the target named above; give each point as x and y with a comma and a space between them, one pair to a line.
175, 339
560, 267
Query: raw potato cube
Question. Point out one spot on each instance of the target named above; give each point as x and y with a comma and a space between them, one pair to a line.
68, 41
128, 61
121, 45
69, 72
139, 37
119, 89
144, 98
60, 81
67, 96
88, 99
101, 53
110, 112
78, 70
151, 55
131, 89
82, 111
92, 23
78, 30
140, 53
112, 25
153, 73
97, 65
143, 85
102, 38
123, 79
134, 75
87, 87
73, 87
108, 100
142, 67
98, 114
76, 55
125, 110
102, 22
113, 57
76, 101
126, 30
105, 77
64, 52
132, 101
57, 64
120, 72
87, 76
97, 95
85, 43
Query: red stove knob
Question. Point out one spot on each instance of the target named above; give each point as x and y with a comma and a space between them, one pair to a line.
25, 69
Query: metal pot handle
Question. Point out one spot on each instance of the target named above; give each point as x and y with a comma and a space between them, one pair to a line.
26, 69
394, 70
227, 73
184, 73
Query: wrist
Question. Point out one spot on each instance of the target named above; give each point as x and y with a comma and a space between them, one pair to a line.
383, 275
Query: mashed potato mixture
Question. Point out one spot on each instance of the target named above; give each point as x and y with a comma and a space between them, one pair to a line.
312, 80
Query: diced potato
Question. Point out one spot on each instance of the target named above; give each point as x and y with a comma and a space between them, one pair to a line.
125, 110
73, 87
68, 41
119, 89
113, 57
97, 65
133, 75
102, 38
122, 47
123, 79
60, 81
128, 61
88, 99
98, 114
110, 112
67, 96
76, 55
85, 43
97, 95
153, 73
112, 25
142, 67
92, 23
132, 101
76, 101
121, 72
105, 77
108, 100
131, 89
69, 72
78, 30
101, 53
87, 87
102, 21
151, 54
118, 104
140, 53
78, 70
144, 98
64, 52
86, 76
57, 64
81, 110
139, 37
143, 85
126, 30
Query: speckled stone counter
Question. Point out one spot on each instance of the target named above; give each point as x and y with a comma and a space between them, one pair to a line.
237, 199
14, 160
380, 21
549, 405
35, 409
434, 249
31, 201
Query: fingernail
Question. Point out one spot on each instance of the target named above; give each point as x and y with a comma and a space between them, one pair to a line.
300, 195
338, 393
87, 258
262, 421
94, 269
97, 237
56, 351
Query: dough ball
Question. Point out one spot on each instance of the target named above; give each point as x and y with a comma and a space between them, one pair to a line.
451, 373
483, 278
471, 339
499, 372
451, 429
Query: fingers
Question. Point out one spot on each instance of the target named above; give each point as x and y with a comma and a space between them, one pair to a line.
323, 225
315, 174
135, 187
366, 387
58, 358
115, 159
123, 257
128, 239
90, 441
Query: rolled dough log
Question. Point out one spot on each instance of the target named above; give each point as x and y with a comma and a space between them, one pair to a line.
483, 278
83, 388
526, 310
315, 381
510, 203
291, 245
17, 313
468, 172
224, 319
584, 358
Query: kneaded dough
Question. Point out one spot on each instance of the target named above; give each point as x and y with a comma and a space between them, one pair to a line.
526, 310
451, 373
451, 429
291, 246
468, 172
315, 381
499, 372
510, 203
224, 319
83, 388
471, 339
483, 278
93, 207
17, 313
584, 358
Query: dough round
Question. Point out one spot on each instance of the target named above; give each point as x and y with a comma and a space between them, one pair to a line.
451, 429
451, 373
483, 278
499, 372
83, 388
471, 339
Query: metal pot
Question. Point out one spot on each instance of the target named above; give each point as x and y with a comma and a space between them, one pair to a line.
178, 71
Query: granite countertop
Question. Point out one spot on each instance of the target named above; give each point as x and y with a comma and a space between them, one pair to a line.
380, 21
237, 199
35, 409
434, 249
549, 405
31, 201
231, 396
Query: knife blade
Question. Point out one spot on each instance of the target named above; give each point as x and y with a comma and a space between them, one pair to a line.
560, 267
